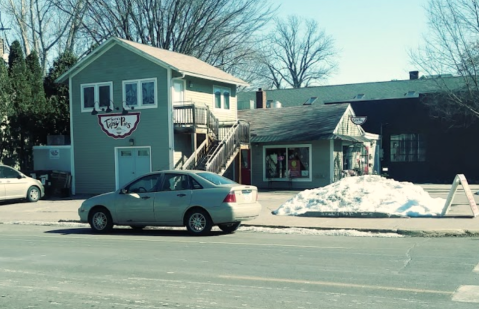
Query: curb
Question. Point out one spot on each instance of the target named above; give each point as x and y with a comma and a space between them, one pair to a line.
410, 233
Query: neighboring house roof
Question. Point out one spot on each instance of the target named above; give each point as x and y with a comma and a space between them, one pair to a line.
293, 124
353, 92
181, 63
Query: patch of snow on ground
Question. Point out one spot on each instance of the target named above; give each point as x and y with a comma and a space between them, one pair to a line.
305, 231
368, 193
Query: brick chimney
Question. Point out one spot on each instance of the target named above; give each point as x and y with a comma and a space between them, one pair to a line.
260, 98
413, 75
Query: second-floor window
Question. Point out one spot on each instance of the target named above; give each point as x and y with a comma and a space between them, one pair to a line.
222, 97
140, 93
97, 95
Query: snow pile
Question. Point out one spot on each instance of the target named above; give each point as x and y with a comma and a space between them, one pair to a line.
365, 194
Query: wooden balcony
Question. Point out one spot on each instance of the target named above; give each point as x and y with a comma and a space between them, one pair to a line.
194, 118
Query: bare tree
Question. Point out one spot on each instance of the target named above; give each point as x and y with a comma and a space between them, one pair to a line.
297, 53
219, 32
451, 49
42, 27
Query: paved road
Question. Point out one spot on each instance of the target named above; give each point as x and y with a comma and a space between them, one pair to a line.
54, 267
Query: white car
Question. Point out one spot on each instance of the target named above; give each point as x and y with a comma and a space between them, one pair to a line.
195, 199
15, 185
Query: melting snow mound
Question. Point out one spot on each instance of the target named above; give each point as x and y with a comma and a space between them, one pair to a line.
368, 193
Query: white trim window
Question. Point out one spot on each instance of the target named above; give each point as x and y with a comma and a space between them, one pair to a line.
287, 162
96, 95
222, 96
140, 93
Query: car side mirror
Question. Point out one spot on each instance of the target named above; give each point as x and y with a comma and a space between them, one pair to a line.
124, 191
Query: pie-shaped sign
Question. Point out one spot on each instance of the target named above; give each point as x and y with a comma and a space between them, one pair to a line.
359, 120
119, 125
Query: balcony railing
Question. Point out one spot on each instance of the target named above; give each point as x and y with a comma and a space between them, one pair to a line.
195, 115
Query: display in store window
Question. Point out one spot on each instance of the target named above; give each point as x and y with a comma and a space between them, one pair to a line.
287, 162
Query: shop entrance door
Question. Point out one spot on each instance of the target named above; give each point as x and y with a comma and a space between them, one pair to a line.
245, 167
132, 163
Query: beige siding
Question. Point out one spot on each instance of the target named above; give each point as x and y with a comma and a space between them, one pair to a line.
347, 127
201, 92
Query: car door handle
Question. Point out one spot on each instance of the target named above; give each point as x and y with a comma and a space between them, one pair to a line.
181, 195
145, 197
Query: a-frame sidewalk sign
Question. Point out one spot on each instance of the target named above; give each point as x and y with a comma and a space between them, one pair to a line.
461, 179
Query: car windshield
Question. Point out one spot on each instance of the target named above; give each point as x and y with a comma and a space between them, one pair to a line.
216, 179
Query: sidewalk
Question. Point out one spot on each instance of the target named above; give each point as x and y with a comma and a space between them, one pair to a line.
457, 223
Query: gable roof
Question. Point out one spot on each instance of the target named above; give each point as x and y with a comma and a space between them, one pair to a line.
349, 92
293, 124
181, 63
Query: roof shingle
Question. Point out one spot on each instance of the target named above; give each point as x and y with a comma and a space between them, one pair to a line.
293, 124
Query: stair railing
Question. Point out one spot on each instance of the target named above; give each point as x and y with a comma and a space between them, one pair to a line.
193, 160
228, 147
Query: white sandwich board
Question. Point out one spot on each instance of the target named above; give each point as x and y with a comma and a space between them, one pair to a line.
460, 179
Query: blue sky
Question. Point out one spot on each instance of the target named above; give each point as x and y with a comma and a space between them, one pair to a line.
373, 36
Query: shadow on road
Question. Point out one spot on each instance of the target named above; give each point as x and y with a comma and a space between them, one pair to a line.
131, 232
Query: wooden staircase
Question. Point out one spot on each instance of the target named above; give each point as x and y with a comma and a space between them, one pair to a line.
216, 153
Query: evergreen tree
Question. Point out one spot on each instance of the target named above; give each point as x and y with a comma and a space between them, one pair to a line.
21, 107
5, 97
21, 99
38, 111
57, 95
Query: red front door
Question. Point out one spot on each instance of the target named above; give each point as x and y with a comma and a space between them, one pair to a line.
245, 167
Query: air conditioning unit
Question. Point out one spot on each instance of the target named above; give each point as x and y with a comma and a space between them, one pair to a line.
56, 140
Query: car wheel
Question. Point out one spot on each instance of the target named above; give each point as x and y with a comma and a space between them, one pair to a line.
198, 222
137, 227
229, 227
100, 220
33, 194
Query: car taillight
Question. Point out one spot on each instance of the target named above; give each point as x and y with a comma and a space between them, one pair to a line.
230, 198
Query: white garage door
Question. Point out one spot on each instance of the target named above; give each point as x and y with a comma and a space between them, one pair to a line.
132, 163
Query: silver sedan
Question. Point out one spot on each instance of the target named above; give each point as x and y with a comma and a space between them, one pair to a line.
198, 200
16, 185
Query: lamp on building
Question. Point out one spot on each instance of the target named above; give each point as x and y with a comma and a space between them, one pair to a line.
132, 142
124, 112
94, 112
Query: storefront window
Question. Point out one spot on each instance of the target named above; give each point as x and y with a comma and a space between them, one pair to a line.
287, 162
408, 148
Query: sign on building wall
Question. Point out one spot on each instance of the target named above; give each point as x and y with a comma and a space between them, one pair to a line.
54, 153
358, 120
119, 125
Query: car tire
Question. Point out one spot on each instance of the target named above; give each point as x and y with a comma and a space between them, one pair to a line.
229, 227
33, 194
101, 221
198, 222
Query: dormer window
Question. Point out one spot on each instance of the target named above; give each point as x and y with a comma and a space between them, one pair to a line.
359, 96
310, 101
411, 94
